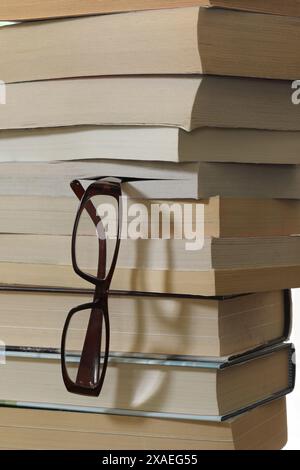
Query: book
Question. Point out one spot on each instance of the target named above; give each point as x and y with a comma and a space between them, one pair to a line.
167, 388
34, 9
157, 265
264, 428
159, 253
153, 325
173, 41
277, 7
150, 144
222, 217
201, 102
207, 283
159, 180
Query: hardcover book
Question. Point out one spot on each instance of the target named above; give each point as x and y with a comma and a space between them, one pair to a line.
150, 324
263, 428
157, 388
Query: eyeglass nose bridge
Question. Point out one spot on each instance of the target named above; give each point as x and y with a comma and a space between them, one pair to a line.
101, 292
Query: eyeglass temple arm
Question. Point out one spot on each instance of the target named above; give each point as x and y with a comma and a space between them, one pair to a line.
89, 367
79, 191
88, 370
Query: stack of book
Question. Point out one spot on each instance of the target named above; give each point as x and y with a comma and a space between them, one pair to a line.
194, 107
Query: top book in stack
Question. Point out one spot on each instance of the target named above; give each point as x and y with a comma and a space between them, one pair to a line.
35, 9
169, 41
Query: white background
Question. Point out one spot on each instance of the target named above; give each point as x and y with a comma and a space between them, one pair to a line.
294, 398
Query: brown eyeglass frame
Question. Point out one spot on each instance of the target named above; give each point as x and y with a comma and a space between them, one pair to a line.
90, 377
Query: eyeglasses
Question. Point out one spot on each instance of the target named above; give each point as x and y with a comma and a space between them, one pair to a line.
86, 333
